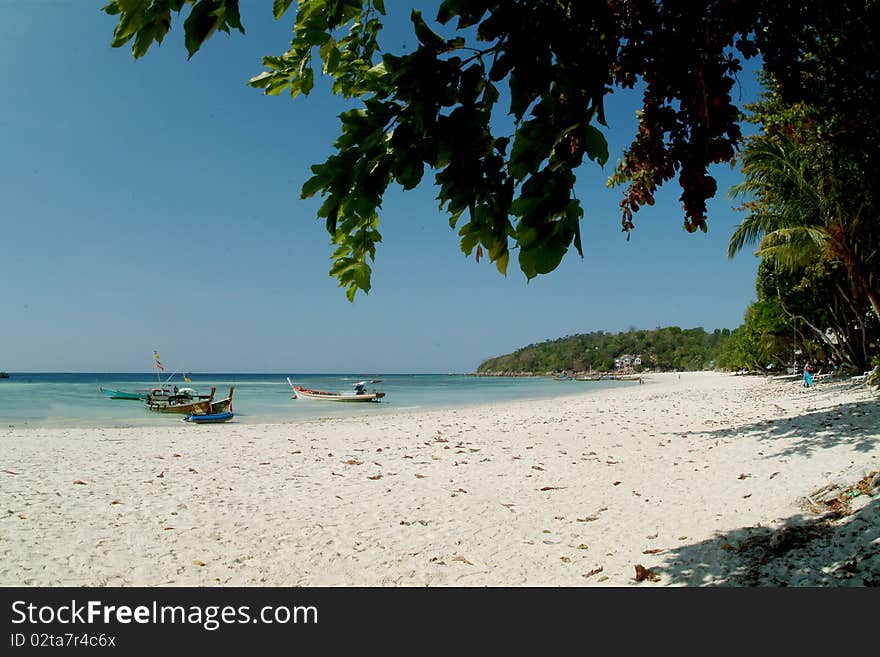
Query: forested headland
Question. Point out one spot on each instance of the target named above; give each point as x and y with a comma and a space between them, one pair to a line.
666, 348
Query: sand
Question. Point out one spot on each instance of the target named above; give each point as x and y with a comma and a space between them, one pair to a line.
698, 478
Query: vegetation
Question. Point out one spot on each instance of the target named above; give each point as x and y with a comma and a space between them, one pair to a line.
811, 211
763, 343
809, 200
506, 172
660, 349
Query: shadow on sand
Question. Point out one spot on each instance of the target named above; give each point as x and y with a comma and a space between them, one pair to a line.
805, 551
833, 549
853, 424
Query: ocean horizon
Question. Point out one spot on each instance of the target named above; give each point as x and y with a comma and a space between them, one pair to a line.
73, 399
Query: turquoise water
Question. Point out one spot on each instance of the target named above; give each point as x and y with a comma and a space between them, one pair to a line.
73, 400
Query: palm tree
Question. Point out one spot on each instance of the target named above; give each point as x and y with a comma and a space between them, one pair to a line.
802, 209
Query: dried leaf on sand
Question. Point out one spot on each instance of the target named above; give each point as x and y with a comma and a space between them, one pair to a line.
643, 573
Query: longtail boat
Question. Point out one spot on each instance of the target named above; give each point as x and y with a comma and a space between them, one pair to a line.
360, 393
122, 394
188, 402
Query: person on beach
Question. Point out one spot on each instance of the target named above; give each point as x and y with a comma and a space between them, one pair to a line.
808, 378
835, 369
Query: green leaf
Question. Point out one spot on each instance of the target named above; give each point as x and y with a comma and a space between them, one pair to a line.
573, 215
127, 6
448, 9
279, 7
501, 262
361, 275
200, 24
410, 170
306, 82
526, 154
128, 25
424, 34
313, 185
233, 16
113, 8
596, 145
542, 258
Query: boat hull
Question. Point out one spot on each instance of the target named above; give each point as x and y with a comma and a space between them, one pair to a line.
210, 418
171, 407
336, 396
204, 407
122, 394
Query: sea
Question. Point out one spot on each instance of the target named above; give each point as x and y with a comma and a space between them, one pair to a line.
50, 400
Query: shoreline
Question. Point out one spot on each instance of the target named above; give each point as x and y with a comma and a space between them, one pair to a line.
690, 477
95, 412
403, 412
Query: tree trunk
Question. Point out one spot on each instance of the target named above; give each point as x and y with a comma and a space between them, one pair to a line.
857, 269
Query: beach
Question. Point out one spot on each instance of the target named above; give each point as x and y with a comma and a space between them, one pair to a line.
692, 479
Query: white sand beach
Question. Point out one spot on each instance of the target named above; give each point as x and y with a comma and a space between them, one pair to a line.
693, 477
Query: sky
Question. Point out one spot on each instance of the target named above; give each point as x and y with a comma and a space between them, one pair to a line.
154, 205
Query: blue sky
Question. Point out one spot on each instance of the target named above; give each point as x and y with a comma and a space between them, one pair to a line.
154, 204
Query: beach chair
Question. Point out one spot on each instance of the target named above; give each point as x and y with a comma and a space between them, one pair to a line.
863, 378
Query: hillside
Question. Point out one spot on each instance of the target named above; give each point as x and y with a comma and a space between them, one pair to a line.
662, 348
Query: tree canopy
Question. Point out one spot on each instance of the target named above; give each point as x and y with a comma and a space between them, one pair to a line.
661, 348
438, 106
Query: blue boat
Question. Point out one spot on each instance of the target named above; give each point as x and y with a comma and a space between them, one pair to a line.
209, 418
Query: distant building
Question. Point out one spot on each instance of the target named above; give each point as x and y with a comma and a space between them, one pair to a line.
627, 361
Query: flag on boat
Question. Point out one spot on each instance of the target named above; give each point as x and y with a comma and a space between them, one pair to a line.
186, 378
159, 365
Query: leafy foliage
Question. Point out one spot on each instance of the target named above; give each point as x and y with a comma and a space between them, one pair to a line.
433, 107
763, 342
812, 313
807, 199
661, 348
807, 194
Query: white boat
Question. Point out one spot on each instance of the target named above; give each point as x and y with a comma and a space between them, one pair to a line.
360, 393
